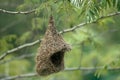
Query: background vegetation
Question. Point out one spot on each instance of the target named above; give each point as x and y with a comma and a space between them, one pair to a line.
94, 45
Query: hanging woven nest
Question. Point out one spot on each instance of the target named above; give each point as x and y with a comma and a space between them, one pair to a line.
50, 57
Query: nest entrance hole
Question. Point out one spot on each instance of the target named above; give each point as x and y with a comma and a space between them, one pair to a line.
57, 58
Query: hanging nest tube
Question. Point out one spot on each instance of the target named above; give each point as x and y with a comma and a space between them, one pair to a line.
50, 56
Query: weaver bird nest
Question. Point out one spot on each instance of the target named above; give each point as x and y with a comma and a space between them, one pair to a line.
50, 57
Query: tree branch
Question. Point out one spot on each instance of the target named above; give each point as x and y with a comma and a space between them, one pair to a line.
18, 48
20, 76
31, 55
61, 32
86, 23
92, 68
67, 69
17, 12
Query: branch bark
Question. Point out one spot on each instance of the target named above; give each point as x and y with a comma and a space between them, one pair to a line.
67, 69
61, 32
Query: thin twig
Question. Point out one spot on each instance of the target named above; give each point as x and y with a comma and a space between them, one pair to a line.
61, 32
18, 48
67, 69
17, 12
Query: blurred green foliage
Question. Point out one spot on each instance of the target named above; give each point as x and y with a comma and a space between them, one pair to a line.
93, 45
